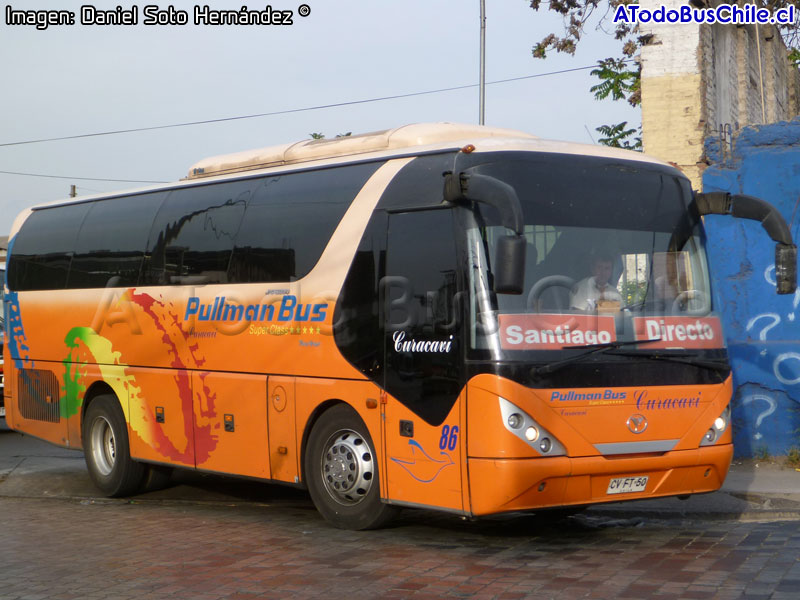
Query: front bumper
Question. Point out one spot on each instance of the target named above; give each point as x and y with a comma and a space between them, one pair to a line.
505, 485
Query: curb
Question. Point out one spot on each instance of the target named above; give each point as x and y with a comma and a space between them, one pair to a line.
721, 505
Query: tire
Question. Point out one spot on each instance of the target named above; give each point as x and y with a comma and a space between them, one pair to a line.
105, 446
341, 471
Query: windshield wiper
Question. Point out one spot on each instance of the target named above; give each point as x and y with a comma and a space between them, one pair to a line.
687, 359
590, 350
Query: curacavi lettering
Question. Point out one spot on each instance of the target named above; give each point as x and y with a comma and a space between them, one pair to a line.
401, 344
659, 403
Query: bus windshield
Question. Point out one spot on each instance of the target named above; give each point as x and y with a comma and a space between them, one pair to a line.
613, 255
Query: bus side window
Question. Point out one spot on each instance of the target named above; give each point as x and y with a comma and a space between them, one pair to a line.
43, 248
192, 236
290, 220
111, 242
356, 324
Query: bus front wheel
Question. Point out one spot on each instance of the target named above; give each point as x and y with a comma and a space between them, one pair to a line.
105, 445
342, 472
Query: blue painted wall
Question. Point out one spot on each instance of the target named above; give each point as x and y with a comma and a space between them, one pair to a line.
762, 328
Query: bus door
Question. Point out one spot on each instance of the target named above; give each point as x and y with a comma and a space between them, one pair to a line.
282, 429
424, 361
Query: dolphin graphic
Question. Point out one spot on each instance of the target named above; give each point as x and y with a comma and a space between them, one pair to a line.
423, 468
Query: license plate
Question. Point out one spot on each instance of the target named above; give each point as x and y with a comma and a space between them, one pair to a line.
626, 485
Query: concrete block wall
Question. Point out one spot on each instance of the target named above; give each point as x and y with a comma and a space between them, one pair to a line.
698, 78
673, 90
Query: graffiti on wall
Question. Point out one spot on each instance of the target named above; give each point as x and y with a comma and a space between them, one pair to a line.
767, 373
762, 328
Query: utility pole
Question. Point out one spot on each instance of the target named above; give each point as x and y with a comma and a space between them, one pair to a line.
482, 86
73, 191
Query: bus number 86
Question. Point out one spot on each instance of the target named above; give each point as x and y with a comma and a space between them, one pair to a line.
449, 438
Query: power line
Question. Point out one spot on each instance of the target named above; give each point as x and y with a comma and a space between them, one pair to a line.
80, 178
290, 111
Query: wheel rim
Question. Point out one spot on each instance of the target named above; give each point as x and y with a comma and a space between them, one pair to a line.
103, 446
347, 467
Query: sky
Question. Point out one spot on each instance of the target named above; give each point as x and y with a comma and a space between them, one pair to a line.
79, 79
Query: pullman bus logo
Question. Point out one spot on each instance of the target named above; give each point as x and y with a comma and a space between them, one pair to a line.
637, 423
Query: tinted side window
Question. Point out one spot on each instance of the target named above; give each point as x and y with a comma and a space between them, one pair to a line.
43, 248
419, 184
192, 236
356, 320
290, 220
421, 313
110, 246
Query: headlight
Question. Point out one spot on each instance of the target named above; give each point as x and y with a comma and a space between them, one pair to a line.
515, 421
522, 425
717, 428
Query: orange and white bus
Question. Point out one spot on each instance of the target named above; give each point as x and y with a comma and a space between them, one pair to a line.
451, 317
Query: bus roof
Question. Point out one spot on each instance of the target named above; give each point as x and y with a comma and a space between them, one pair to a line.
406, 136
391, 143
419, 137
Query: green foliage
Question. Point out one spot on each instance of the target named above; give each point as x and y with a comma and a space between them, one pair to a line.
793, 457
633, 292
321, 136
619, 77
576, 14
761, 453
618, 81
620, 136
794, 57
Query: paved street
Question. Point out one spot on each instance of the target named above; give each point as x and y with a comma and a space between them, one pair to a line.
220, 539
54, 548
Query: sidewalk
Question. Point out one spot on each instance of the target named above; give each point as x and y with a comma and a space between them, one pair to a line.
753, 490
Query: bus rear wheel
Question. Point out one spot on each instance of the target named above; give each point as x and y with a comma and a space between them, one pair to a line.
105, 446
342, 472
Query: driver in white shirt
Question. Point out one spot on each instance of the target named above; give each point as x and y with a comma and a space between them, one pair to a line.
589, 291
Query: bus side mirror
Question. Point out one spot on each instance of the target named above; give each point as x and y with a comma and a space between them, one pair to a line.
474, 187
750, 207
786, 268
509, 264
509, 267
